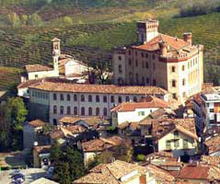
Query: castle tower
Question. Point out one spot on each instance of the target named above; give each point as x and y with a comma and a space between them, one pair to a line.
56, 53
147, 30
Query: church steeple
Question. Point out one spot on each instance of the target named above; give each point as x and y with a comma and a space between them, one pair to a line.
56, 53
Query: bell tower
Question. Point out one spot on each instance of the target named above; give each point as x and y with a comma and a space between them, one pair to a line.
56, 53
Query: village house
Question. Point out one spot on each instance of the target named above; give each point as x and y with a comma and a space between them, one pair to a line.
41, 156
160, 60
94, 147
135, 112
59, 99
117, 172
175, 135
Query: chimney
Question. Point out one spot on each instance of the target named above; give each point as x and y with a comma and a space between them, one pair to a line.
163, 48
187, 37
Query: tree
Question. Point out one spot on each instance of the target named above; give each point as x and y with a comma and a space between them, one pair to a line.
55, 152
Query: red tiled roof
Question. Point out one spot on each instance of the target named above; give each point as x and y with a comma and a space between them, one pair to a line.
153, 44
94, 88
37, 68
152, 102
213, 144
37, 123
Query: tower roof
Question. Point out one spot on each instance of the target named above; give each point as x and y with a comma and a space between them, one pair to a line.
55, 39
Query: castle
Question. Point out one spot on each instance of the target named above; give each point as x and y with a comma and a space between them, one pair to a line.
160, 60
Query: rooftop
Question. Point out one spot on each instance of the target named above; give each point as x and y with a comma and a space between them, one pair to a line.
213, 144
74, 119
102, 89
37, 123
150, 102
37, 68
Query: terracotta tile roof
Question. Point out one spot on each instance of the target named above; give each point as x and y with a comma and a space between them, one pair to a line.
102, 89
213, 160
151, 102
160, 128
101, 144
213, 144
94, 120
153, 44
200, 172
61, 133
171, 163
161, 174
42, 149
37, 123
111, 173
29, 83
124, 125
37, 68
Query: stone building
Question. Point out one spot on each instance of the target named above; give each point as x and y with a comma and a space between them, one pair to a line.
54, 100
160, 60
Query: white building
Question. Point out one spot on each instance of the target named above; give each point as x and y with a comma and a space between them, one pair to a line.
135, 112
211, 107
54, 100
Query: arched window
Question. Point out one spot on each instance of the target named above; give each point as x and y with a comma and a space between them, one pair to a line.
147, 65
90, 98
82, 111
55, 109
135, 99
82, 98
105, 99
75, 111
112, 99
55, 122
129, 61
105, 112
119, 99
90, 111
127, 99
68, 110
97, 98
68, 97
136, 62
173, 83
97, 111
61, 110
137, 78
75, 97
61, 97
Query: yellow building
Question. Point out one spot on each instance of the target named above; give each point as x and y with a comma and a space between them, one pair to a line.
161, 60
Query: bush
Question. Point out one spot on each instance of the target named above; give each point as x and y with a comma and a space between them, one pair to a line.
140, 157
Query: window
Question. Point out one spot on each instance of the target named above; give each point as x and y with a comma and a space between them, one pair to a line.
147, 65
136, 62
97, 98
143, 81
183, 82
36, 76
147, 80
142, 54
129, 61
168, 145
174, 96
173, 83
146, 55
61, 97
68, 110
183, 68
90, 111
176, 143
141, 113
154, 82
211, 110
55, 109
75, 111
82, 111
153, 56
90, 98
97, 111
127, 99
112, 99
119, 68
135, 99
68, 97
105, 112
82, 98
137, 78
119, 99
129, 52
54, 96
176, 134
185, 143
105, 99
75, 97
119, 58
55, 122
173, 69
61, 110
